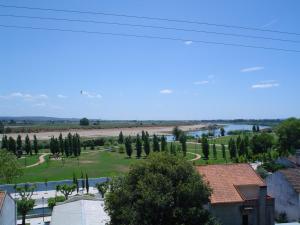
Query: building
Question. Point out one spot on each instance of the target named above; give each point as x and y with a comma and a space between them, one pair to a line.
284, 185
292, 161
239, 195
83, 211
8, 213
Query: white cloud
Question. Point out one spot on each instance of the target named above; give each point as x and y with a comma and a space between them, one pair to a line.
202, 82
41, 104
188, 42
252, 69
166, 91
61, 96
24, 96
265, 84
90, 95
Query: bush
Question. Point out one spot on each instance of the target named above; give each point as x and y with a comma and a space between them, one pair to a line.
121, 149
262, 172
272, 166
52, 201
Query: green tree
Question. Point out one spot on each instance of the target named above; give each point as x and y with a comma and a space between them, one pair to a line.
205, 147
4, 144
146, 145
232, 148
242, 148
121, 138
35, 145
19, 143
173, 149
253, 128
82, 182
182, 140
288, 133
66, 190
102, 188
1, 128
27, 147
163, 190
67, 147
163, 143
87, 184
223, 152
222, 131
26, 203
9, 166
61, 144
177, 132
261, 143
84, 122
215, 151
138, 146
128, 146
155, 146
12, 147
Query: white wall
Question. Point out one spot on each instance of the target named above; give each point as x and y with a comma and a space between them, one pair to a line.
8, 212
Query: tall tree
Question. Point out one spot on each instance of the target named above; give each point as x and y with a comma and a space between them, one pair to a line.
146, 145
205, 147
9, 167
176, 133
12, 147
173, 149
215, 151
121, 138
163, 143
4, 144
87, 184
67, 148
182, 140
138, 146
238, 142
155, 146
26, 203
84, 122
35, 145
27, 147
177, 197
223, 151
1, 128
70, 143
222, 131
143, 135
253, 128
82, 182
128, 146
232, 148
102, 188
242, 148
61, 144
19, 143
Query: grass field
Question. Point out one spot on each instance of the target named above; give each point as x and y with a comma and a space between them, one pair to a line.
97, 163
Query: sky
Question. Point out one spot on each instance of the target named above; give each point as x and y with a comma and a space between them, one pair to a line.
67, 74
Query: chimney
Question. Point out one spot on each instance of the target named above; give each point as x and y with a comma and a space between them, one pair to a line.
298, 157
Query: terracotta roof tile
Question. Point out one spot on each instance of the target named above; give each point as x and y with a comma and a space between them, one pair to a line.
293, 177
2, 196
223, 179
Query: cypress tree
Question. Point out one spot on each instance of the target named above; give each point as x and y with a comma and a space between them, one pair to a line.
138, 146
61, 144
143, 135
238, 142
205, 147
173, 149
121, 138
155, 144
223, 151
87, 185
74, 145
242, 148
4, 144
12, 145
35, 144
182, 140
146, 145
70, 143
128, 146
215, 151
164, 144
28, 149
66, 147
232, 148
78, 144
19, 143
82, 182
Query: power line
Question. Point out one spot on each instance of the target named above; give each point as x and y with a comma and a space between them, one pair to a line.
151, 18
149, 26
149, 37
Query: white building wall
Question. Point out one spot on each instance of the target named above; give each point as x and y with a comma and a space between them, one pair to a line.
8, 212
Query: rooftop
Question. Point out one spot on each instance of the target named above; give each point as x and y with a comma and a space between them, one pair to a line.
293, 177
84, 212
228, 182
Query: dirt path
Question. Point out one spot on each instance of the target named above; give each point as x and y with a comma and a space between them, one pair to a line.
41, 160
198, 156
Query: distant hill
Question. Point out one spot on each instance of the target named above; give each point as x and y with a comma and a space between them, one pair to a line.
36, 118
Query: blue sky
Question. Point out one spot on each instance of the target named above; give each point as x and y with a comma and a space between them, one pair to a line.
47, 73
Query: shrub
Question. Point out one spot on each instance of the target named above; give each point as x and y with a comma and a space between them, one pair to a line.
52, 201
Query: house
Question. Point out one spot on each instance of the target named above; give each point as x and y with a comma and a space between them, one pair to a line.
8, 213
239, 195
290, 161
284, 185
83, 210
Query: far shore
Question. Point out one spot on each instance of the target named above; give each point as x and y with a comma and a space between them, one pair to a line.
111, 132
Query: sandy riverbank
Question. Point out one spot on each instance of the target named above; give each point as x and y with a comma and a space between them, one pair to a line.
112, 132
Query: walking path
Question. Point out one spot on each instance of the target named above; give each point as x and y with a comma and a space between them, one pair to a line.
198, 156
41, 160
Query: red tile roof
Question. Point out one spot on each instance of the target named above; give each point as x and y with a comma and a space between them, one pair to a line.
2, 197
224, 179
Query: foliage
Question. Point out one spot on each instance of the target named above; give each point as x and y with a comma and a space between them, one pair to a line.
215, 151
163, 143
177, 132
182, 140
52, 201
272, 166
205, 147
164, 190
102, 188
121, 138
262, 172
128, 146
9, 166
138, 146
84, 122
146, 144
66, 190
35, 145
282, 218
27, 147
261, 143
288, 133
155, 146
222, 131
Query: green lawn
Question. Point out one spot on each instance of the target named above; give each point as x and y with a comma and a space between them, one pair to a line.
28, 160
